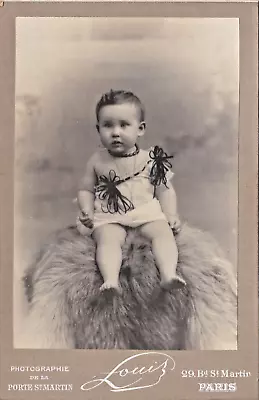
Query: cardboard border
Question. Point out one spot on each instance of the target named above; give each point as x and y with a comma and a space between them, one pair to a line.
246, 357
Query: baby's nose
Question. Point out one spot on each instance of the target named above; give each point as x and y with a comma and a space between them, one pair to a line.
116, 131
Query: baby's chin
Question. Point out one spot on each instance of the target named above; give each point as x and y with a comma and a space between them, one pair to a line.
117, 150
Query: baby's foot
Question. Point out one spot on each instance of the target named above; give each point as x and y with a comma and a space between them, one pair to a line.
174, 283
114, 286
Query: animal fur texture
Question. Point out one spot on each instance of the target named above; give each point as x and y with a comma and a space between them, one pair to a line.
67, 310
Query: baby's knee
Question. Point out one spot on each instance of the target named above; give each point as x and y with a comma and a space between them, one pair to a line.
164, 235
110, 235
158, 230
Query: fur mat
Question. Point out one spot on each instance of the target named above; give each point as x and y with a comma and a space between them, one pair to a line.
68, 311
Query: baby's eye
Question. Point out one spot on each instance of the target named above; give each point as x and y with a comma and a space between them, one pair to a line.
107, 124
124, 124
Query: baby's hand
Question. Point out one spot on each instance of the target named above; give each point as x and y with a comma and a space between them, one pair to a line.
176, 226
86, 219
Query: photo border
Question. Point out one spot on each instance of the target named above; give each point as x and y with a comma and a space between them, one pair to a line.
246, 357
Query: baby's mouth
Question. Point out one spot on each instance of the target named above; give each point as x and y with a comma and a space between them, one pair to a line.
116, 143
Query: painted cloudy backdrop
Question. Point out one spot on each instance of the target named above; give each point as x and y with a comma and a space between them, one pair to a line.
186, 73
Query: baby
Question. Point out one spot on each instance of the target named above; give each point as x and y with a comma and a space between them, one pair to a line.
125, 186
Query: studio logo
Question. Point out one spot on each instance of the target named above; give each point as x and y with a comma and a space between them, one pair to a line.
139, 371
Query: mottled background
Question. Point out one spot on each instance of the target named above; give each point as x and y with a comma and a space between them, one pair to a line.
186, 73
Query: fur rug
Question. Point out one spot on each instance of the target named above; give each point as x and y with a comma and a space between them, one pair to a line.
68, 311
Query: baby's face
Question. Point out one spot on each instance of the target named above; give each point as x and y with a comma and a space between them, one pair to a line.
119, 127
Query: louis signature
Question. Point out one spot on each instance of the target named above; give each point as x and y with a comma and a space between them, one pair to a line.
139, 377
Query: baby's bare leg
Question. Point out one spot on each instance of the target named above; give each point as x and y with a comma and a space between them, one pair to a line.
165, 252
109, 239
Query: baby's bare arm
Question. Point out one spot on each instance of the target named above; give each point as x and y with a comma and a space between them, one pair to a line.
168, 201
85, 197
85, 201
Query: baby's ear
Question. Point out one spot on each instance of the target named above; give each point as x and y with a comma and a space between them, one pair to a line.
142, 127
97, 127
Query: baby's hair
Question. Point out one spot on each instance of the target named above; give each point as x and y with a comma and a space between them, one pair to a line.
119, 97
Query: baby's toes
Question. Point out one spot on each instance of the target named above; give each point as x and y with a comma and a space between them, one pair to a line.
113, 286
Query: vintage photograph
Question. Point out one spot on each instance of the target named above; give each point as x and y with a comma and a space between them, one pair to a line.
126, 183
